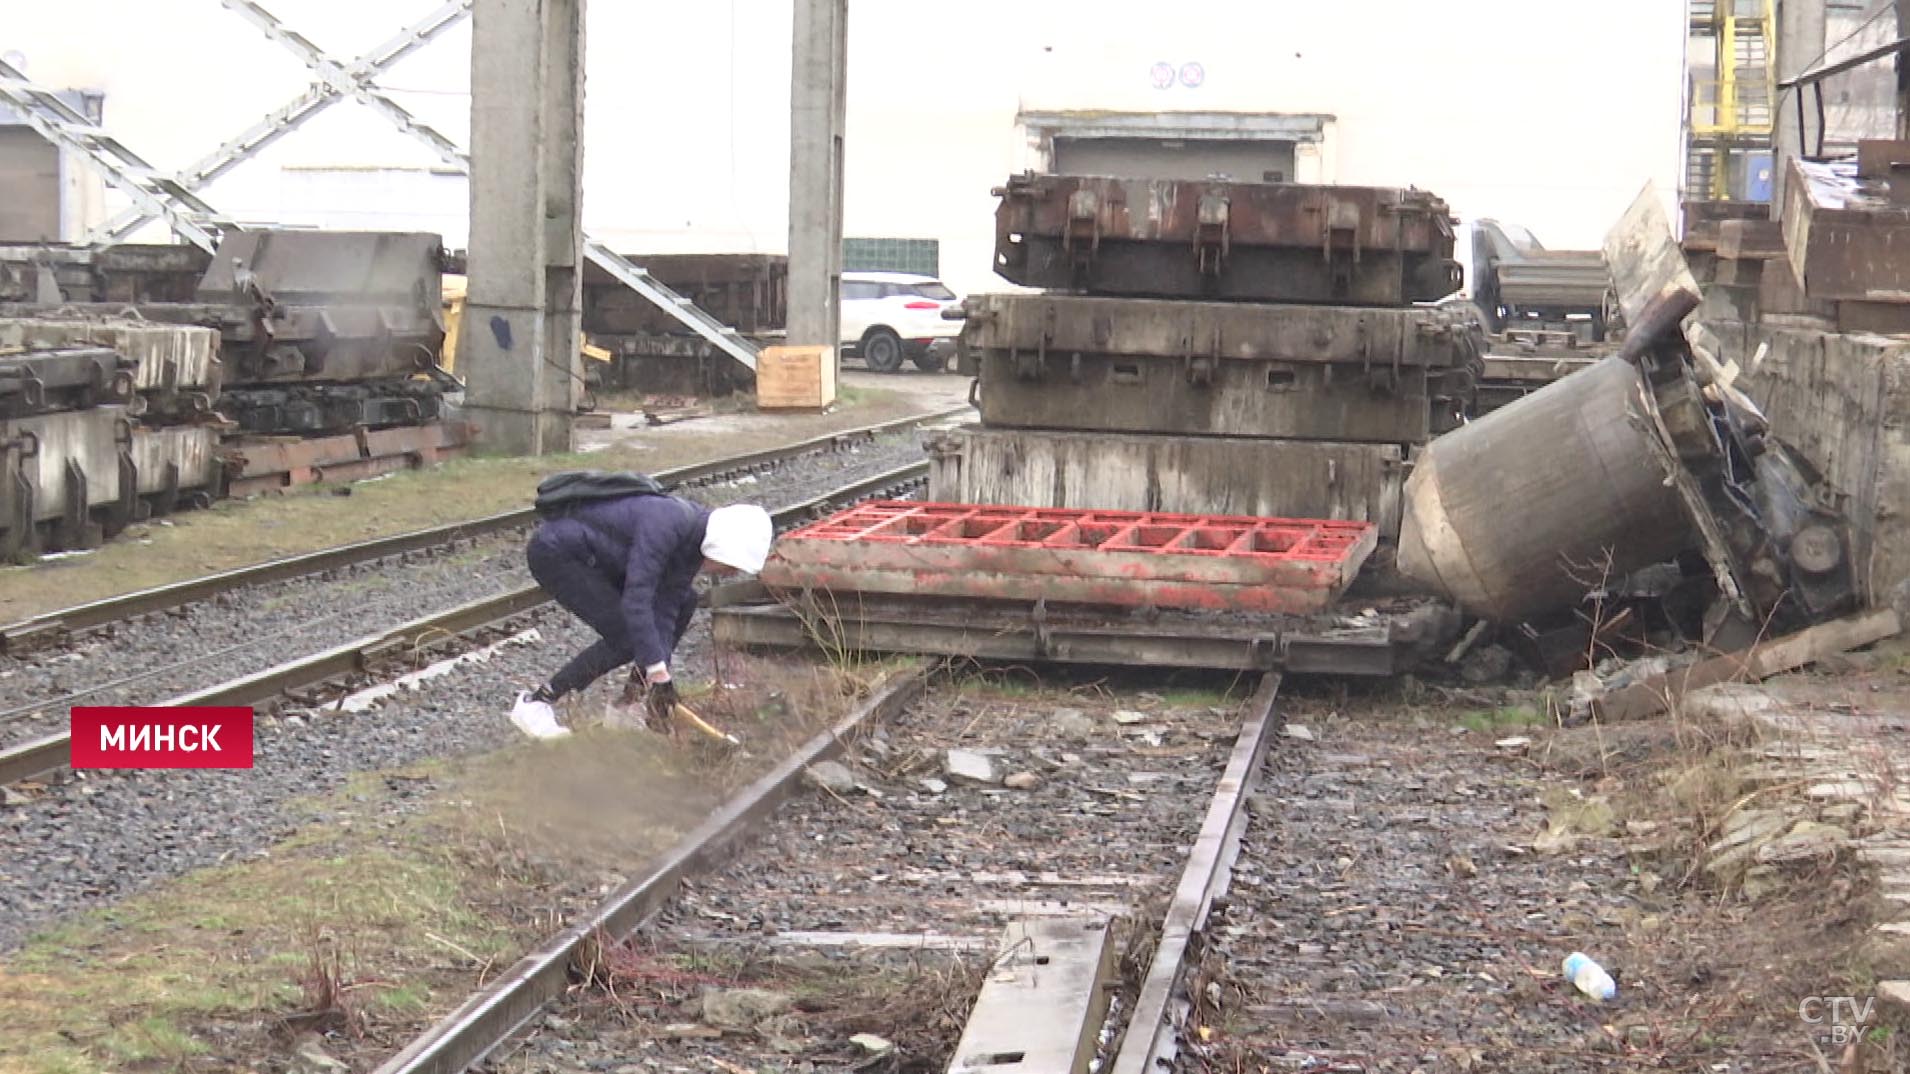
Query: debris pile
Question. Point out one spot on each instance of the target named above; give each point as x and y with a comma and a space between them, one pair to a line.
1650, 457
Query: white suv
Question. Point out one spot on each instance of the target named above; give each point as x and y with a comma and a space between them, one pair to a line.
889, 316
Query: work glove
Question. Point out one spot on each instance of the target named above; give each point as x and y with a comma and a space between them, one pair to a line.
660, 706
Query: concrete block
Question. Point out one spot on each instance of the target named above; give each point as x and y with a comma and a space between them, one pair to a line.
1843, 403
1186, 475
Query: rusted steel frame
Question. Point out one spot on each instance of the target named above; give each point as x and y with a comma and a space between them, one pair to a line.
1178, 330
158, 598
492, 1016
1849, 248
344, 457
50, 754
1071, 545
1303, 589
1152, 1036
1035, 640
1258, 214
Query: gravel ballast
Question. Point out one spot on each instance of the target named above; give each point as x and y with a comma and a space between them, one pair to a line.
167, 654
968, 811
89, 838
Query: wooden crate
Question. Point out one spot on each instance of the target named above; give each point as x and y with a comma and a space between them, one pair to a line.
795, 378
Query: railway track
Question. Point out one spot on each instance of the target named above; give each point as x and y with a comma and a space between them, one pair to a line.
40, 630
385, 652
1119, 878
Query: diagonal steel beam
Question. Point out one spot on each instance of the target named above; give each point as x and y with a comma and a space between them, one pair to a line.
66, 127
161, 197
680, 308
278, 124
339, 78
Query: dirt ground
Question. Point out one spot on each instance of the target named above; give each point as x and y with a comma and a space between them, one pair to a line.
236, 533
1415, 875
1418, 865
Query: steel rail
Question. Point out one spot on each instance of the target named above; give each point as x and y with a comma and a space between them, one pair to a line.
159, 598
50, 754
495, 1014
1152, 1039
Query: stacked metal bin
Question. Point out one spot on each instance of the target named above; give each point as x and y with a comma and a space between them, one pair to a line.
102, 423
1215, 347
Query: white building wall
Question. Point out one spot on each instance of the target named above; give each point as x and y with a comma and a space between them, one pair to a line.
1548, 114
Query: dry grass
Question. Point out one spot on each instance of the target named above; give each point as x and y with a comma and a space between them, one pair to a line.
917, 1000
326, 1003
367, 931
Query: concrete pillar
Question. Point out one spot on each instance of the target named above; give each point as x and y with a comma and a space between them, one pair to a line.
818, 107
1903, 72
519, 344
1801, 37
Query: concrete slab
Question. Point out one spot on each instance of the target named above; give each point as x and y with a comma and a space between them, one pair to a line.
1040, 1011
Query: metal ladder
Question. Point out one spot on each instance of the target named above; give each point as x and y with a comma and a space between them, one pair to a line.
1751, 70
1732, 116
163, 196
358, 86
688, 313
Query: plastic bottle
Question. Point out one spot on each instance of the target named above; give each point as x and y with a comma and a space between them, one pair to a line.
1589, 977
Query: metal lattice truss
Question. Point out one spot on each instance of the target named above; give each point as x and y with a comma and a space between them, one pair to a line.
156, 194
172, 198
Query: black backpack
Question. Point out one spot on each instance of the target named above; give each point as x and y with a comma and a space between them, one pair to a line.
559, 493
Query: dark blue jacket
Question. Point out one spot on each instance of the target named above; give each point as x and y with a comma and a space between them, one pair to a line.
651, 546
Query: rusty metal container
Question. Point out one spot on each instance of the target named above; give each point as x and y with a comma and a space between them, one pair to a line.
1848, 236
1132, 365
1182, 474
1531, 507
345, 305
159, 272
1262, 242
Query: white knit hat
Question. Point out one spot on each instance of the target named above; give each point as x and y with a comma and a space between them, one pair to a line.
738, 536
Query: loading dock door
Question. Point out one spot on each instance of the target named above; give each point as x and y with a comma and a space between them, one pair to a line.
1179, 158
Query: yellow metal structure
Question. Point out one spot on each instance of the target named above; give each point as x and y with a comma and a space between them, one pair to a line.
454, 290
1734, 113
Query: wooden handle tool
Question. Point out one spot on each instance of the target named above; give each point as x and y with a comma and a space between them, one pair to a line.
684, 713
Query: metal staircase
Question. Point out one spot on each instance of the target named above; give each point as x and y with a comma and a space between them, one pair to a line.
1732, 114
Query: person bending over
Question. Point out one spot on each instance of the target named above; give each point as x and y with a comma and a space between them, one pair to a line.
626, 566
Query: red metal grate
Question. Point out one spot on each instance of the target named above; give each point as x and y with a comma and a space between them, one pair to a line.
1218, 562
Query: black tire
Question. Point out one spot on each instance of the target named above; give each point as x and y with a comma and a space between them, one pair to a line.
931, 361
882, 350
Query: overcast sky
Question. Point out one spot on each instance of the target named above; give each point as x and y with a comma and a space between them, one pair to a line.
1550, 114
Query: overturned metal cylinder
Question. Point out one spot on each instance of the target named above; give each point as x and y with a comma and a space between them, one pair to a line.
1528, 509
